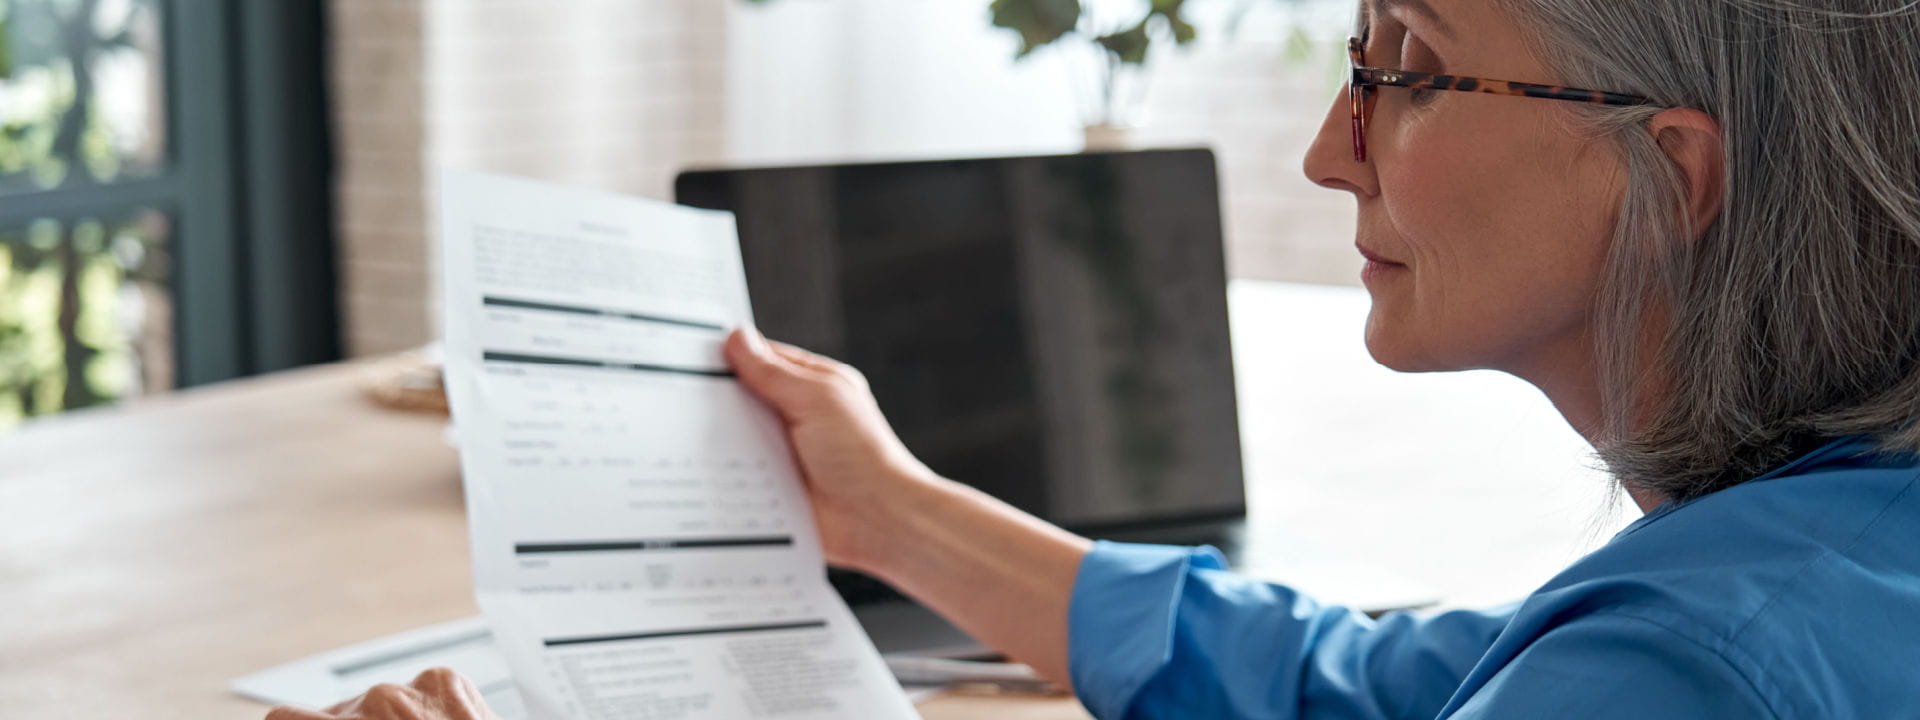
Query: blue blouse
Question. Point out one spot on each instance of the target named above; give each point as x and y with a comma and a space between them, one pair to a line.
1796, 595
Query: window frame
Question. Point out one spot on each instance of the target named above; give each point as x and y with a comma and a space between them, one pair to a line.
246, 185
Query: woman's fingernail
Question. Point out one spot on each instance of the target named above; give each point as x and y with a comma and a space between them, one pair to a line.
756, 343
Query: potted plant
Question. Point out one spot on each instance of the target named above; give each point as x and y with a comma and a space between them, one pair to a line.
1108, 66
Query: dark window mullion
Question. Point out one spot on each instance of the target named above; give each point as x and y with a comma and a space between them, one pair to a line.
208, 280
288, 174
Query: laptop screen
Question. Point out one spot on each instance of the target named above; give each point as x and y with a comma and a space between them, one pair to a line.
1051, 330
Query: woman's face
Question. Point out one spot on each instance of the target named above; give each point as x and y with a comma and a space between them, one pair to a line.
1485, 218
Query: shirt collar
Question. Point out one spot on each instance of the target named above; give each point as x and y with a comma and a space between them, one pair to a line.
1837, 449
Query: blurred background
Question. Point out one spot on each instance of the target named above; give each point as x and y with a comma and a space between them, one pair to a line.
199, 190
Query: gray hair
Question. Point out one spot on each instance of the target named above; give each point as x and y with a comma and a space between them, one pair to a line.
1795, 316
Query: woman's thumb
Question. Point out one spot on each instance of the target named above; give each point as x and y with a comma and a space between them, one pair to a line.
775, 379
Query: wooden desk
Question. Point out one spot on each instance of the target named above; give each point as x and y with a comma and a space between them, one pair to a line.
152, 553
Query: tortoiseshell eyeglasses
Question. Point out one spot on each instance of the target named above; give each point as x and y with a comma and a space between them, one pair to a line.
1364, 79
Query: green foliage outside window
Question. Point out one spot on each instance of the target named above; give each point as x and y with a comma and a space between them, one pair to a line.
84, 310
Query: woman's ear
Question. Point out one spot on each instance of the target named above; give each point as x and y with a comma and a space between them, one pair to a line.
1693, 142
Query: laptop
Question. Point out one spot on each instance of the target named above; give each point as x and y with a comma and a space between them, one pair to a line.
1049, 329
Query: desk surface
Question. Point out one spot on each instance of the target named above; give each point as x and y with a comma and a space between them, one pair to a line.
152, 553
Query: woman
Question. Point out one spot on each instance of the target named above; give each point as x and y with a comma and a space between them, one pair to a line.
1709, 260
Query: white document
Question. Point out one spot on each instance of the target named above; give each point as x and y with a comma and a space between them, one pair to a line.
466, 645
642, 547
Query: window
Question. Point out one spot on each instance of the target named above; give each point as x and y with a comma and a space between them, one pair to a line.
163, 197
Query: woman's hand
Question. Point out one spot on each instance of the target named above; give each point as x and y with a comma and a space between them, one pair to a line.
858, 474
437, 694
1002, 575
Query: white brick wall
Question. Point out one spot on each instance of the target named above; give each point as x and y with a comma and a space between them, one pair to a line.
621, 94
377, 80
609, 93
1258, 102
887, 79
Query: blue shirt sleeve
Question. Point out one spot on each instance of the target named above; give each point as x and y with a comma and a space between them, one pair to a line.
1165, 632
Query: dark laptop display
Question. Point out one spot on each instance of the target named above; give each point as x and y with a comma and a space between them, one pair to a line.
1052, 330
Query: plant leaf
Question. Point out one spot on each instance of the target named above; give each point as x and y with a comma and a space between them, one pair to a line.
1299, 47
1129, 45
6, 54
1183, 31
1038, 21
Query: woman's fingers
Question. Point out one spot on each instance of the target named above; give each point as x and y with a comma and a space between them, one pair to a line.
437, 694
289, 712
787, 385
804, 358
385, 701
457, 697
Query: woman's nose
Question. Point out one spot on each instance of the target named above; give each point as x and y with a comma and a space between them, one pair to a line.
1330, 159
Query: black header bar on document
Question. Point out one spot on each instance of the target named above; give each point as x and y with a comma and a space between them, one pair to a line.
804, 625
492, 301
654, 544
494, 356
